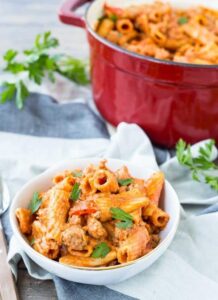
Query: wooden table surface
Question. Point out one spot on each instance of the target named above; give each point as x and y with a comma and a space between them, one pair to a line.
20, 21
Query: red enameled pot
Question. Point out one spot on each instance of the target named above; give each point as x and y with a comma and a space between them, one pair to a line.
168, 100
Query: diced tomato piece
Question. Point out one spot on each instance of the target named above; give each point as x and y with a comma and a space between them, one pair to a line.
83, 208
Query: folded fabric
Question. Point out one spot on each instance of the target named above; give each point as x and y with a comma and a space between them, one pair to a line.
43, 116
187, 270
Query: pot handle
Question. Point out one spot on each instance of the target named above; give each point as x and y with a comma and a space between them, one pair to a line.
67, 13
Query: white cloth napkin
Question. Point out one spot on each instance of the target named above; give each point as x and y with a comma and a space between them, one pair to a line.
188, 269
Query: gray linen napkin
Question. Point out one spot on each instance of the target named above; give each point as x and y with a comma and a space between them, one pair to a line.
43, 116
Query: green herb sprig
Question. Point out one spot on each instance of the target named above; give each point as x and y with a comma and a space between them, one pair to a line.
35, 203
38, 63
32, 241
126, 220
200, 166
182, 20
75, 192
101, 250
125, 181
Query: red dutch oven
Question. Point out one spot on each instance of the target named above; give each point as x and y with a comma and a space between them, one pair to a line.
168, 100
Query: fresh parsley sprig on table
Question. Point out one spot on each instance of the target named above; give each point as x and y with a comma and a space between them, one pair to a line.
126, 220
38, 63
200, 166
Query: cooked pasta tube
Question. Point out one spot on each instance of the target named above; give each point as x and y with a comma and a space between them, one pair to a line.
88, 261
127, 204
57, 213
25, 219
157, 216
59, 177
87, 186
105, 27
124, 26
137, 216
134, 246
113, 36
47, 247
88, 249
127, 37
142, 23
172, 44
105, 181
158, 37
38, 230
66, 184
154, 186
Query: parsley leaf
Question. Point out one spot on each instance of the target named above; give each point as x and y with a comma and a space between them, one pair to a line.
72, 68
75, 192
125, 218
8, 93
21, 95
124, 224
101, 250
35, 203
212, 181
199, 165
32, 241
182, 20
38, 63
113, 18
125, 181
10, 55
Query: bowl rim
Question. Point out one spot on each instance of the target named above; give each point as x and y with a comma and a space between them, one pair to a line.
140, 56
23, 241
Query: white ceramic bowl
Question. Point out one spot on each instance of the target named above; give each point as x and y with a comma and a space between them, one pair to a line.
102, 276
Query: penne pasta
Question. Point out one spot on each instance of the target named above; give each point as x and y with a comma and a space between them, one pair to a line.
154, 186
126, 203
159, 30
88, 261
57, 213
134, 246
24, 218
157, 216
95, 217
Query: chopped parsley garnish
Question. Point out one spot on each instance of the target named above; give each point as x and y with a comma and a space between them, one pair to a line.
126, 220
101, 250
125, 181
35, 203
182, 20
75, 192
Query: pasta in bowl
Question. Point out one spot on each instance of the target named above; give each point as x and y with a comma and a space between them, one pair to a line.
96, 218
162, 31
